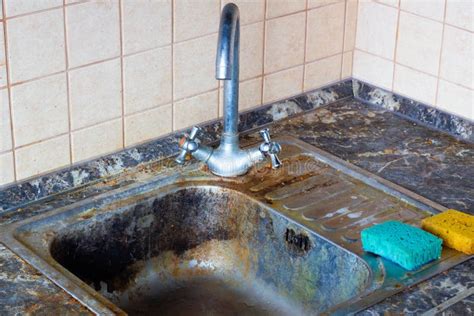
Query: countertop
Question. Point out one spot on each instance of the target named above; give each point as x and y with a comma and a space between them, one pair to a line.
431, 163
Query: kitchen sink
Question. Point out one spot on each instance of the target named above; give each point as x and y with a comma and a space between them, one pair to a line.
273, 242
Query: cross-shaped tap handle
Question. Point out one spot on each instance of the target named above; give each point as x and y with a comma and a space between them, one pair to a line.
187, 144
270, 148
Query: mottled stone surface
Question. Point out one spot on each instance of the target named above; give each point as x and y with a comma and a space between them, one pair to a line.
429, 294
464, 307
24, 291
414, 110
424, 160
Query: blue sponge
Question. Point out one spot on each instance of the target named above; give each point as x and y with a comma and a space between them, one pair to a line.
403, 244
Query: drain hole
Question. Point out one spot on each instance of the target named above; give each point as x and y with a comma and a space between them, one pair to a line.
298, 243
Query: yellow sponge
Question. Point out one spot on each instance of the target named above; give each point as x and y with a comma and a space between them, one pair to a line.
454, 227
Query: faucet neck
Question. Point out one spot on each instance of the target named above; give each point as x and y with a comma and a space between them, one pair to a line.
227, 67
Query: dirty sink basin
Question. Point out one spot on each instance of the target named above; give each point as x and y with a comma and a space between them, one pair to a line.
206, 250
269, 243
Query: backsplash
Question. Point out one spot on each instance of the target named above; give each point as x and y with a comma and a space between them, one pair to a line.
80, 79
419, 49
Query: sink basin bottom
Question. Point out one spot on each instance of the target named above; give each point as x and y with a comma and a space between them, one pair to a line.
201, 295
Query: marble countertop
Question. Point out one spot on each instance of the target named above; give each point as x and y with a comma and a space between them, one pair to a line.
429, 162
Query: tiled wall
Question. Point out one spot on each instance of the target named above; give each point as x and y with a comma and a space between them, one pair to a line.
79, 79
423, 49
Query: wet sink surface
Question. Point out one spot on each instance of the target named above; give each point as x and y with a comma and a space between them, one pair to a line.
269, 243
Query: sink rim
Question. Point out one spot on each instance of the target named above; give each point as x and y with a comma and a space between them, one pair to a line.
99, 304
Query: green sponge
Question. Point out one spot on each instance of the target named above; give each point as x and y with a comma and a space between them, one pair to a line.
403, 244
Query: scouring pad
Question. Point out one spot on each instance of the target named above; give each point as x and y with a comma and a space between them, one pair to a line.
454, 227
406, 245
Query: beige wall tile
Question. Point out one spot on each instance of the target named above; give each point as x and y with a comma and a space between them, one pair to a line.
42, 157
95, 93
351, 25
456, 99
17, 7
460, 13
194, 66
7, 174
414, 84
320, 3
282, 7
3, 65
393, 3
97, 140
5, 127
191, 20
147, 80
284, 46
195, 110
376, 29
373, 69
282, 84
250, 95
93, 32
322, 72
433, 9
251, 11
147, 125
346, 71
251, 51
146, 24
40, 109
325, 31
36, 45
419, 43
457, 55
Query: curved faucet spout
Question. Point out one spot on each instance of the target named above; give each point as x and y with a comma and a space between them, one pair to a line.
227, 68
228, 42
229, 160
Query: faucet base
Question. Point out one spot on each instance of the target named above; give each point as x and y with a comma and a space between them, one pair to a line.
228, 160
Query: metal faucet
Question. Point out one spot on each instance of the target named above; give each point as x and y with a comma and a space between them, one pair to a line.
229, 160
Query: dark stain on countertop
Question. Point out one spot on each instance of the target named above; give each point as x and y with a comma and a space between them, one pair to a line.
381, 138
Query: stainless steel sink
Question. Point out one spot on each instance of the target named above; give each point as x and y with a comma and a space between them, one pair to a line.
269, 243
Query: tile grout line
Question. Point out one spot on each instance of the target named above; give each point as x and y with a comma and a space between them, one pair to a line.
305, 45
9, 92
264, 45
346, 3
424, 17
355, 37
438, 79
81, 129
22, 15
394, 60
411, 68
43, 140
122, 81
172, 68
68, 90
